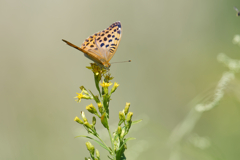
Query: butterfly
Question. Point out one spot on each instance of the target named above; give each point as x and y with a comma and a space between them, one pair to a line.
101, 46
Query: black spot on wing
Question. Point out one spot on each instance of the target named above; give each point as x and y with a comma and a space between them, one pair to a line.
91, 46
109, 35
113, 36
107, 45
110, 40
87, 44
118, 31
102, 44
118, 24
105, 38
98, 38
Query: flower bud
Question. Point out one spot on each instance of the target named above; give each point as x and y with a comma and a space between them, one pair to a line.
129, 121
115, 86
76, 119
89, 126
100, 107
97, 154
126, 108
92, 109
84, 90
83, 116
94, 120
129, 116
104, 120
123, 133
119, 130
90, 148
121, 116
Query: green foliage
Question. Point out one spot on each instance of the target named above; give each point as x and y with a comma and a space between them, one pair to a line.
117, 138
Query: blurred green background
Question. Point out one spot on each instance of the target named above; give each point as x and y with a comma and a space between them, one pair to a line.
173, 46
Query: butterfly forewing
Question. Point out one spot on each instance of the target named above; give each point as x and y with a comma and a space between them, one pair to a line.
108, 40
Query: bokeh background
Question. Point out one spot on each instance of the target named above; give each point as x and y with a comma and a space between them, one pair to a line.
173, 46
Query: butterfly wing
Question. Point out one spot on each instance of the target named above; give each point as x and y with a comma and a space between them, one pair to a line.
90, 46
88, 52
108, 40
101, 46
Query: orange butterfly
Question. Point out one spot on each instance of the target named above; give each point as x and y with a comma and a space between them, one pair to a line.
101, 46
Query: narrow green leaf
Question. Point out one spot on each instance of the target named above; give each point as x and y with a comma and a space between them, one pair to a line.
125, 141
95, 97
135, 122
100, 143
97, 79
106, 99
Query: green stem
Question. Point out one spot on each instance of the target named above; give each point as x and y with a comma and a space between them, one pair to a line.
101, 141
110, 135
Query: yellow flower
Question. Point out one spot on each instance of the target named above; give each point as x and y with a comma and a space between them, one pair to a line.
104, 84
80, 96
115, 86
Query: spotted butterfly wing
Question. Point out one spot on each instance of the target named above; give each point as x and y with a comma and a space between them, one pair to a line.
101, 46
108, 40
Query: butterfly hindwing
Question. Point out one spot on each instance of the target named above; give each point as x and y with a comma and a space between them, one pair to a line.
89, 45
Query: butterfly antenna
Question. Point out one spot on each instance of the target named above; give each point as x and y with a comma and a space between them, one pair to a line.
122, 61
